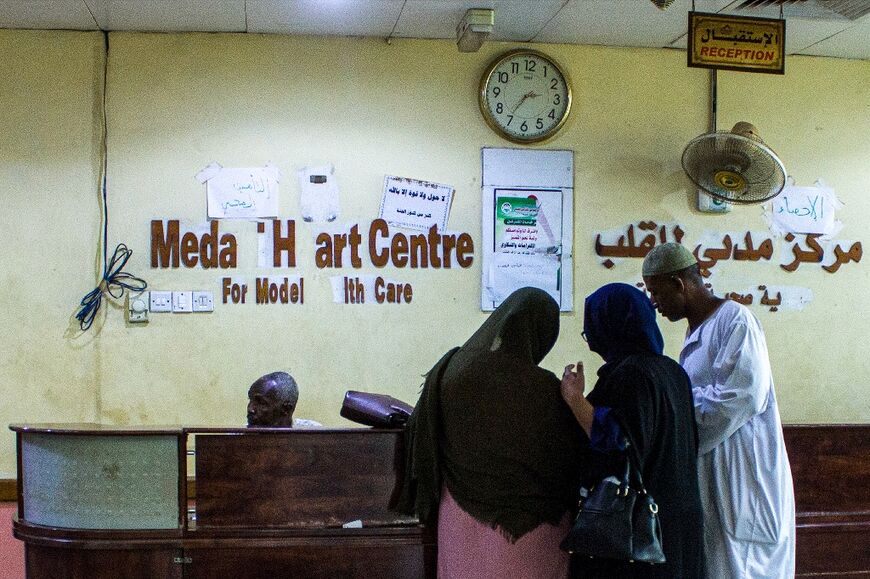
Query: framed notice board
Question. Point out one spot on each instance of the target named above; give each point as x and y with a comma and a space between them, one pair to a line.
527, 218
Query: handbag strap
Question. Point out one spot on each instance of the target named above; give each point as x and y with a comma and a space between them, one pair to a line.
632, 460
632, 466
633, 463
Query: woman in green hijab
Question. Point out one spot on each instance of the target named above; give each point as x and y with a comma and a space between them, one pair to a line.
494, 453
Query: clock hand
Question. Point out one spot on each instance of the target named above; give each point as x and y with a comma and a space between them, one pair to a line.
522, 100
530, 94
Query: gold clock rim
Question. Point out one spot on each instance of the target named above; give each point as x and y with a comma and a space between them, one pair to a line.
484, 86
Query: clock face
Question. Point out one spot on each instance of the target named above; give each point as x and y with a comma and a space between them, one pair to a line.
524, 96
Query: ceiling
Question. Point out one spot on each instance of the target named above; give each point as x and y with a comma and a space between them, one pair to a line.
813, 27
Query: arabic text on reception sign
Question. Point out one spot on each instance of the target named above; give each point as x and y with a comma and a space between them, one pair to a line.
736, 43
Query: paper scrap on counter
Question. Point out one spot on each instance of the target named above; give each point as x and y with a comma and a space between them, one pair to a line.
241, 192
415, 204
319, 200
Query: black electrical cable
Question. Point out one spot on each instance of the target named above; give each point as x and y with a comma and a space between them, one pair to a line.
114, 279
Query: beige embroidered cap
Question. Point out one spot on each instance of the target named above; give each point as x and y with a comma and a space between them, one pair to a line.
667, 258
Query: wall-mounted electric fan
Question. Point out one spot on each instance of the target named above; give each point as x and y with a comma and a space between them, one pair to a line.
734, 166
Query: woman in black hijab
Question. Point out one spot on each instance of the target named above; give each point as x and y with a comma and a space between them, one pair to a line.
493, 450
651, 397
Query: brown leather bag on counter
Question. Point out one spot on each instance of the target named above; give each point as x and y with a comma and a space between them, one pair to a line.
379, 410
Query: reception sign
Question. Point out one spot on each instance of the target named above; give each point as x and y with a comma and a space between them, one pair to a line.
736, 43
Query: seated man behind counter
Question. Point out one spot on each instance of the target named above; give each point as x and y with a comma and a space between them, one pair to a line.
271, 401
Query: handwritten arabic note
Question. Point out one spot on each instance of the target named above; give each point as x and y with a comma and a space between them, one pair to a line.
241, 193
415, 204
805, 210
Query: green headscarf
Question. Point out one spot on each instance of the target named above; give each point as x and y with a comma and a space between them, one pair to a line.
491, 425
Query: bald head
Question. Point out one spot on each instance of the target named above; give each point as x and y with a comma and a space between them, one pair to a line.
272, 399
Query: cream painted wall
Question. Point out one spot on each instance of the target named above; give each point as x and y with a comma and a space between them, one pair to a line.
177, 102
50, 226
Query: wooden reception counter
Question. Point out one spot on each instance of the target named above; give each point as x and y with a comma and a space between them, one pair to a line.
105, 502
100, 502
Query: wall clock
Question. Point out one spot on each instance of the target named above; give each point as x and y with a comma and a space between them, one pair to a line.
524, 96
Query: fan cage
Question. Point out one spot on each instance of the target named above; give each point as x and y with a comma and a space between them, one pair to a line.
751, 168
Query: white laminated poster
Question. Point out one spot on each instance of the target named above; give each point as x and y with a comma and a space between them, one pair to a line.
241, 192
415, 204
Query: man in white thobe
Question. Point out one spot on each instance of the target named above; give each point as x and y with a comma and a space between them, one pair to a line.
745, 478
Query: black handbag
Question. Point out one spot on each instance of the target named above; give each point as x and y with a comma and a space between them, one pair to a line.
618, 520
379, 410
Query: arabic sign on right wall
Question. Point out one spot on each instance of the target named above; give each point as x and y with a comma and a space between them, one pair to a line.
801, 225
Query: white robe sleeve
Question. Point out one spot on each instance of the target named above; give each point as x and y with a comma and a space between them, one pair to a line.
740, 389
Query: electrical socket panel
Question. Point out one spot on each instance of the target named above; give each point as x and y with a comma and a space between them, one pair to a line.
137, 307
181, 302
203, 301
160, 301
709, 204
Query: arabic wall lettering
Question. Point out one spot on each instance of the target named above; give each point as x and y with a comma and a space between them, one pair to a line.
809, 248
628, 245
712, 248
773, 297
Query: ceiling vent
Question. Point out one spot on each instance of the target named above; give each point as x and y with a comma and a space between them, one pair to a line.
811, 9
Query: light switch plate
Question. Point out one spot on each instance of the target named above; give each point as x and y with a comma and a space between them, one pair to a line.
161, 301
181, 302
203, 301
